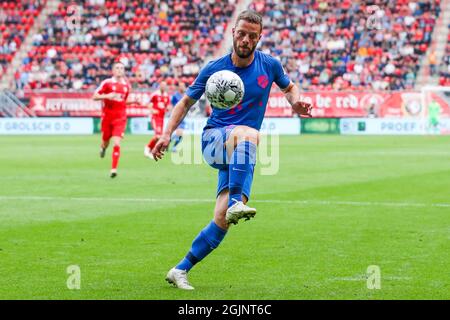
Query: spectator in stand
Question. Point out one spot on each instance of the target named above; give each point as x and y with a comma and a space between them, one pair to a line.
432, 62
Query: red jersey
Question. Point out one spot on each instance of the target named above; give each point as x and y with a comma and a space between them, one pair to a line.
112, 107
160, 103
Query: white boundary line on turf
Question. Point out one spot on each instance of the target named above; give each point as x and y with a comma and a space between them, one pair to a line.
191, 200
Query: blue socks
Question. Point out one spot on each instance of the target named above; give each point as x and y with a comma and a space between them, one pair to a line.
176, 139
242, 161
241, 164
207, 240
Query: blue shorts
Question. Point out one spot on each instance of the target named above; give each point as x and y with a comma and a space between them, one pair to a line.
214, 153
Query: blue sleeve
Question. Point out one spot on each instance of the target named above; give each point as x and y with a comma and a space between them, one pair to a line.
196, 89
281, 78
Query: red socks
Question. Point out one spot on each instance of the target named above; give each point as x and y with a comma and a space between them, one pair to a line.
152, 143
115, 157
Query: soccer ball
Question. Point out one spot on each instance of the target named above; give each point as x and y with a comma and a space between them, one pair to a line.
224, 89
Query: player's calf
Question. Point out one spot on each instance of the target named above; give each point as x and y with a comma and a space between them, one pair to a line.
220, 209
115, 158
103, 147
224, 216
240, 134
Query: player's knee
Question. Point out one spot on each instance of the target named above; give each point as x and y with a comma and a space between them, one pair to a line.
116, 142
252, 136
247, 134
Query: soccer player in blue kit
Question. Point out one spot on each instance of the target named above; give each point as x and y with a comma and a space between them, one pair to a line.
177, 137
230, 137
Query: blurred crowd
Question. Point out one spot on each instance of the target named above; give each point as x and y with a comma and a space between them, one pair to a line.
16, 19
444, 68
324, 45
346, 45
155, 39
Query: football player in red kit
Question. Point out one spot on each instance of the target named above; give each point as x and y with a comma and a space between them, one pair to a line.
113, 92
159, 104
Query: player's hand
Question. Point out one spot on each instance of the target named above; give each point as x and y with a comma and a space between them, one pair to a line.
114, 96
161, 146
109, 96
303, 109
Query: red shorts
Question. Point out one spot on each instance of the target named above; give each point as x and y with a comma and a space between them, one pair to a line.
113, 127
158, 125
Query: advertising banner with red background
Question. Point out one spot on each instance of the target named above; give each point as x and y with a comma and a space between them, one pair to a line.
326, 104
359, 104
71, 104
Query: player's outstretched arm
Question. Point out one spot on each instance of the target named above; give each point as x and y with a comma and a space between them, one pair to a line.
106, 96
292, 93
133, 100
179, 112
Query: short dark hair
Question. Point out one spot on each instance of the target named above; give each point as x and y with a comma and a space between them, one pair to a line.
250, 16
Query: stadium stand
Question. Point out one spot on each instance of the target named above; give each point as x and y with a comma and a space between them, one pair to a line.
324, 45
16, 19
327, 45
159, 40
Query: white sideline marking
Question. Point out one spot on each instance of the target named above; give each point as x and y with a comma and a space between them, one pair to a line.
187, 200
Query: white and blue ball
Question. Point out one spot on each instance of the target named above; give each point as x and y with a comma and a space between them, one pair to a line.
224, 89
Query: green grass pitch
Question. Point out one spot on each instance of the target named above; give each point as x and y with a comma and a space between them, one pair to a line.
337, 205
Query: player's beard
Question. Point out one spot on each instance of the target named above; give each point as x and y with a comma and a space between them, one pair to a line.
242, 54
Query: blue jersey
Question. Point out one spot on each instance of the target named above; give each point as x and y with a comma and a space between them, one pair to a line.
257, 77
